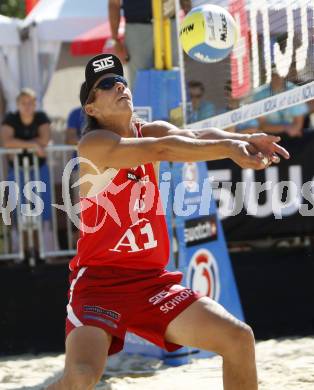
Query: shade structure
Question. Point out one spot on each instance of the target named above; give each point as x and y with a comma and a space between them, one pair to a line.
9, 32
64, 20
94, 41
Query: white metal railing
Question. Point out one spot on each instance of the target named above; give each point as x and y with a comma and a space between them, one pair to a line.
8, 252
30, 228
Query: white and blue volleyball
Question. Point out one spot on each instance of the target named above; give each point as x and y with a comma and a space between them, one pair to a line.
208, 33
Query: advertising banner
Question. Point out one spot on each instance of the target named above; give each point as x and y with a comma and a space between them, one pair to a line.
203, 254
276, 202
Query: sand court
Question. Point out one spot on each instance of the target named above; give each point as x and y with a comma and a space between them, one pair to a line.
285, 364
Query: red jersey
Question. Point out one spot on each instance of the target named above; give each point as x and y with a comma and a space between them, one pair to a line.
124, 225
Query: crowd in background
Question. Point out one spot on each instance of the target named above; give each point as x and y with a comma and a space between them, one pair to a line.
291, 121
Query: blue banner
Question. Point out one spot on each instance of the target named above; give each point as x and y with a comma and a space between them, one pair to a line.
203, 254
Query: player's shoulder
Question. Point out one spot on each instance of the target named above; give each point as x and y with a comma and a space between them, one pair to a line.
94, 139
156, 129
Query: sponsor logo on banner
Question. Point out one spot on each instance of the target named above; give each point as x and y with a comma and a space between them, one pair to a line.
200, 230
190, 176
240, 57
203, 274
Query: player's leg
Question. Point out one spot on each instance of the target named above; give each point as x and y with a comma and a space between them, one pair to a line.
86, 354
207, 325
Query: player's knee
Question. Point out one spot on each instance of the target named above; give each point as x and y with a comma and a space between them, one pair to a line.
237, 340
82, 376
243, 339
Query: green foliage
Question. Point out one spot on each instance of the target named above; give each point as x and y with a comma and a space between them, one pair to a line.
15, 8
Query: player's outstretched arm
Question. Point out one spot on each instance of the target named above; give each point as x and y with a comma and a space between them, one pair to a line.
264, 143
106, 149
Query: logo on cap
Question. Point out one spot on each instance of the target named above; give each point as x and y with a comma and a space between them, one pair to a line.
103, 64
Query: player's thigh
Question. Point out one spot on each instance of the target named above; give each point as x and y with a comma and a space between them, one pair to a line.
205, 324
87, 348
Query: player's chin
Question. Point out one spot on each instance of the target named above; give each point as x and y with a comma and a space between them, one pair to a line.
125, 104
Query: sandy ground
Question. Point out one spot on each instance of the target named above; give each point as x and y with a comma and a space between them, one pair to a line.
286, 364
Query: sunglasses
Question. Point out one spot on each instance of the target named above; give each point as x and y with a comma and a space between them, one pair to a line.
110, 82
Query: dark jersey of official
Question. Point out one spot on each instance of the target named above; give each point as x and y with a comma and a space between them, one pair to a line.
26, 132
137, 11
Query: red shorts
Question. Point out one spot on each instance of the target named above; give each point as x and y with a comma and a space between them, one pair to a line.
120, 300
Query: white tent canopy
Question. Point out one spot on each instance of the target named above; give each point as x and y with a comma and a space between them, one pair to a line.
9, 34
9, 59
48, 25
64, 20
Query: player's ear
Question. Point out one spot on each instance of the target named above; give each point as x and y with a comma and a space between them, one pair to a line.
89, 109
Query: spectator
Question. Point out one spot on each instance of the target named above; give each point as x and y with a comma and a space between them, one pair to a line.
75, 125
289, 120
138, 49
29, 129
309, 118
247, 127
200, 109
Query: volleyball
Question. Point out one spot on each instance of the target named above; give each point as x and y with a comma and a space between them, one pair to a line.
208, 33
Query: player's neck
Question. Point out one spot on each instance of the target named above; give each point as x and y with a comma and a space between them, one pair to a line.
122, 126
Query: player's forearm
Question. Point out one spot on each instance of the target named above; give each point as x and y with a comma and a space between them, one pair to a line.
106, 149
217, 134
114, 18
184, 149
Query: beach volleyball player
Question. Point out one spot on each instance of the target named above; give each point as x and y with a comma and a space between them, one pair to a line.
118, 277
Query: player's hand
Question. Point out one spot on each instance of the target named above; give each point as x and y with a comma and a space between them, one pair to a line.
243, 154
268, 146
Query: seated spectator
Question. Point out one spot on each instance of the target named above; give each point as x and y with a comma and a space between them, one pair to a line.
200, 108
29, 129
247, 127
75, 125
289, 120
309, 118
